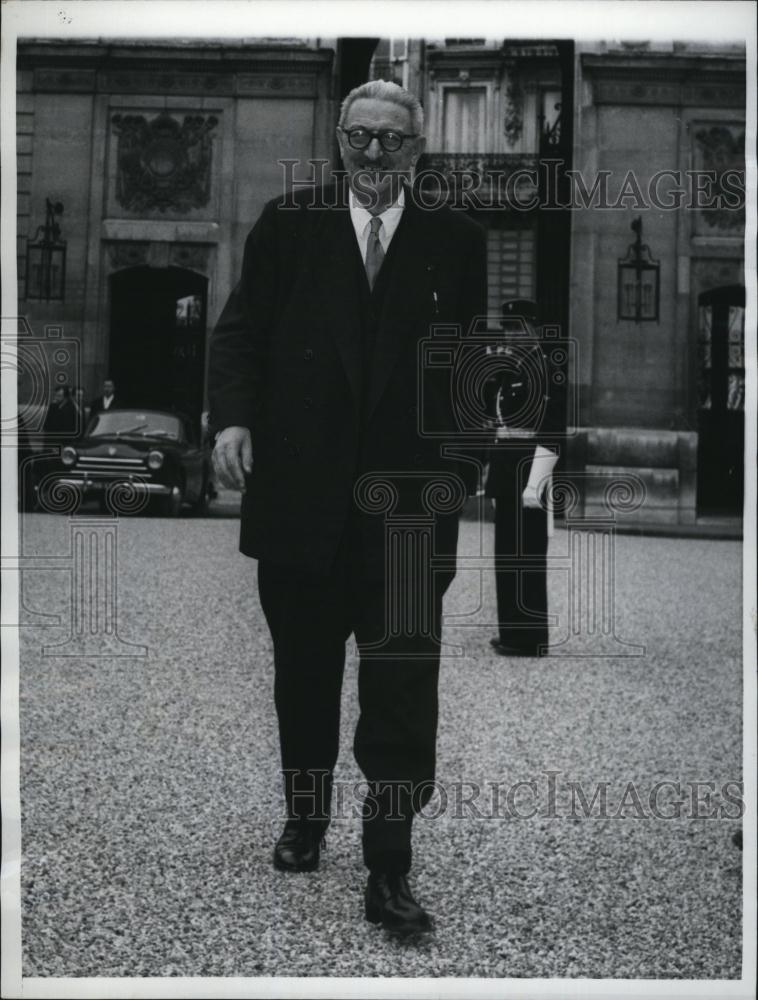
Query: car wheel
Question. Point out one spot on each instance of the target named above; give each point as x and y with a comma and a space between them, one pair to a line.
172, 504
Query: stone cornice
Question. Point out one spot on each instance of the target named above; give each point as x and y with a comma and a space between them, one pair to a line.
665, 78
470, 58
194, 69
662, 65
147, 49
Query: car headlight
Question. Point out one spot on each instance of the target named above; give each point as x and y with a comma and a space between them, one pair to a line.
155, 460
68, 455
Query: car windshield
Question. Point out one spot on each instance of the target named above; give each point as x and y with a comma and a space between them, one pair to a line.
137, 423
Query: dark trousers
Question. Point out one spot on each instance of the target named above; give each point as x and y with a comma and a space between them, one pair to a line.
521, 581
310, 621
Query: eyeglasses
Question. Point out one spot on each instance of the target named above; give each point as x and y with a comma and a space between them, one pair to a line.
389, 140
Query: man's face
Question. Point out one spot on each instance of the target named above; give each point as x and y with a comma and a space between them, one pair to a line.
375, 173
108, 388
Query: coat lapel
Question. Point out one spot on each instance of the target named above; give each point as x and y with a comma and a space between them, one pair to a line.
335, 264
405, 300
336, 269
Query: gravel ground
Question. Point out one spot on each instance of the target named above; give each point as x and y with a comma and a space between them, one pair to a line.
151, 796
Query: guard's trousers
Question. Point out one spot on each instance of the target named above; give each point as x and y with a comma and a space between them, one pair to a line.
521, 575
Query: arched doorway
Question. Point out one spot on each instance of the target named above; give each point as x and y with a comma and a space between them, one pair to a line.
157, 338
721, 400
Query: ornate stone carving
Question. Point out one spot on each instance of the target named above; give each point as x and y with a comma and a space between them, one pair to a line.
193, 256
68, 80
162, 164
481, 177
514, 108
145, 82
128, 253
634, 92
661, 91
721, 148
277, 84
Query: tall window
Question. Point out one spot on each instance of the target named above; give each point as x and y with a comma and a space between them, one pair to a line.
550, 118
510, 266
464, 120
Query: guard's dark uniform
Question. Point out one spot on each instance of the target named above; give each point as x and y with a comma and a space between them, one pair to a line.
526, 407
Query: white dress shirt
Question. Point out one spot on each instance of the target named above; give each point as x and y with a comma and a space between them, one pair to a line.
361, 220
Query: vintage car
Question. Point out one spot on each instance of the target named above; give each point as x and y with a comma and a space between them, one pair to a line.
128, 458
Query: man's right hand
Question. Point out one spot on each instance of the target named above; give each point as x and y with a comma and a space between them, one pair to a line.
233, 457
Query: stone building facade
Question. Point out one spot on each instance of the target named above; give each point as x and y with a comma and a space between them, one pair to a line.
663, 396
657, 393
162, 155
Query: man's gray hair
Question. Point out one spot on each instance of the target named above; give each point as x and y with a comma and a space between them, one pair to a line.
383, 90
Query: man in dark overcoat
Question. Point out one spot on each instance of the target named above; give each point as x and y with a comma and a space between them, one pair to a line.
319, 398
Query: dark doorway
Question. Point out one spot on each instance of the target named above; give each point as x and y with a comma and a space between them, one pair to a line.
353, 61
721, 400
157, 347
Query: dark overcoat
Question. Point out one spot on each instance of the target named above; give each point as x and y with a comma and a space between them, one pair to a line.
327, 376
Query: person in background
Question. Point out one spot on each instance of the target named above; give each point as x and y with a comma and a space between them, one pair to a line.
82, 409
526, 414
107, 401
62, 420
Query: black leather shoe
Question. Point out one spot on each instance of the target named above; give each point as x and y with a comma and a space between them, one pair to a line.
389, 902
299, 847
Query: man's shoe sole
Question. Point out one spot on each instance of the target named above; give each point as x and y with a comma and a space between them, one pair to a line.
374, 916
295, 869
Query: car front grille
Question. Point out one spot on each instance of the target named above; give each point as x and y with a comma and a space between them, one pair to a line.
121, 467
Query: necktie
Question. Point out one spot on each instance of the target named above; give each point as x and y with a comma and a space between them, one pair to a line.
374, 252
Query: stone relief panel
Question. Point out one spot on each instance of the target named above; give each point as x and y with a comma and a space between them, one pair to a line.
719, 148
192, 256
163, 165
127, 253
157, 253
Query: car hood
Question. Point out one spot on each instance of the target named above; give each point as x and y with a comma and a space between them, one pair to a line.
125, 447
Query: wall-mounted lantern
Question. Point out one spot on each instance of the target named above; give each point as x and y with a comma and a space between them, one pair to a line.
46, 258
639, 281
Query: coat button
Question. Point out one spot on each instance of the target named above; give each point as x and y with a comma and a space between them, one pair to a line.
308, 354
